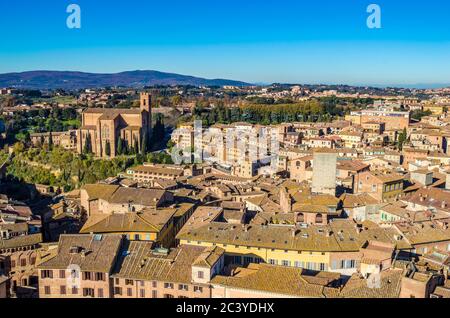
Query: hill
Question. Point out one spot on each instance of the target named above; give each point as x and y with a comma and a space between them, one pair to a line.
79, 80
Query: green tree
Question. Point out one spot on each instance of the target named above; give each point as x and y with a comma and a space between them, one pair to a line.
87, 149
402, 137
120, 146
50, 140
108, 148
144, 145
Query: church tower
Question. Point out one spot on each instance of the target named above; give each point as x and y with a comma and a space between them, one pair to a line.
146, 111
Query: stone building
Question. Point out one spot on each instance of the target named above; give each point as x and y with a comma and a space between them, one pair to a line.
102, 129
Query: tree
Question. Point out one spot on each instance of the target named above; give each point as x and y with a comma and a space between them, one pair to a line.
50, 140
176, 100
120, 146
87, 145
108, 148
136, 147
144, 145
402, 137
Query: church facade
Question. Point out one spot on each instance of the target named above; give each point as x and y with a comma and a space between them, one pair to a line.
104, 129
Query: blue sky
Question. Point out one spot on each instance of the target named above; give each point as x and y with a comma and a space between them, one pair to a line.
299, 41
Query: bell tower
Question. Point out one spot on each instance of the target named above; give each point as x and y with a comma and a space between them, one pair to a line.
146, 111
146, 101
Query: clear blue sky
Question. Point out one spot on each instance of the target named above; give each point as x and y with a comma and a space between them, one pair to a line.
300, 41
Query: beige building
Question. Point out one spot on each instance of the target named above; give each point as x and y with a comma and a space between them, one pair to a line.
66, 140
102, 128
82, 267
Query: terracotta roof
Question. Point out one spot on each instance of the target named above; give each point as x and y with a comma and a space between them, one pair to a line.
95, 253
21, 241
285, 281
138, 261
145, 221
339, 236
390, 285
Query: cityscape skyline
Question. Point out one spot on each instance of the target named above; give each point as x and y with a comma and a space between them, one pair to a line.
296, 42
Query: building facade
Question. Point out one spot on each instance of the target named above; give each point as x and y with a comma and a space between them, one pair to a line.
104, 129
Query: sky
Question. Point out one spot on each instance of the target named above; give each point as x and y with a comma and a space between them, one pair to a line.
258, 41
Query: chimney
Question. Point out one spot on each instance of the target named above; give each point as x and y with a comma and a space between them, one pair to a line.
444, 205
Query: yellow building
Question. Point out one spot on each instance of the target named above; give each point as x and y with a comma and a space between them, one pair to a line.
334, 247
149, 225
435, 109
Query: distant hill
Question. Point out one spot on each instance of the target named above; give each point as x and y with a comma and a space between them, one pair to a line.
80, 80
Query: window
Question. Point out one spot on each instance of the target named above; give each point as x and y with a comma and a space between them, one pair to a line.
323, 267
47, 290
248, 260
62, 290
23, 262
129, 292
142, 293
154, 294
117, 281
100, 293
200, 275
88, 292
286, 263
168, 296
154, 284
273, 262
62, 274
183, 287
87, 276
47, 274
198, 289
74, 291
118, 291
168, 285
299, 264
129, 282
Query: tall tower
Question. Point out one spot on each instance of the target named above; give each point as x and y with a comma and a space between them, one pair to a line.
324, 172
146, 110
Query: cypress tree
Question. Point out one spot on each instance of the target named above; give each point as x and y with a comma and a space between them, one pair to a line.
108, 148
50, 140
120, 146
144, 145
87, 145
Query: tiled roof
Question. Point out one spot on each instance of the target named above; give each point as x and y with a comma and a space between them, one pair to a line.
285, 281
95, 253
138, 261
145, 221
339, 236
21, 241
389, 286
